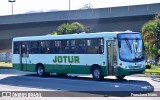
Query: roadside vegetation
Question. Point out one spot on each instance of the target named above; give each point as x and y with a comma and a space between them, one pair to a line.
154, 70
73, 28
151, 37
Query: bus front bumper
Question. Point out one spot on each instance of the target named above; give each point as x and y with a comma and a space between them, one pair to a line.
125, 72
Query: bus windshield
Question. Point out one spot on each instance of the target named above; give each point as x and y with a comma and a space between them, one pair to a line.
131, 47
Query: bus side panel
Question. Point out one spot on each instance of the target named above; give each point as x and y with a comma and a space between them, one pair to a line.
80, 66
31, 67
16, 62
74, 69
16, 66
104, 70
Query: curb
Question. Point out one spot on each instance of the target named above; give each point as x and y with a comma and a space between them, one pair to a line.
4, 67
144, 75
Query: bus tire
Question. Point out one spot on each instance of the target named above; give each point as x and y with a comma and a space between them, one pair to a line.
120, 77
97, 73
40, 70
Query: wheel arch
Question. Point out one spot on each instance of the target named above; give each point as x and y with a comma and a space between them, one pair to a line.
95, 65
38, 65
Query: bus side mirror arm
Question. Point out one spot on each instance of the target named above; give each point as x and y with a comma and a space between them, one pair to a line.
119, 44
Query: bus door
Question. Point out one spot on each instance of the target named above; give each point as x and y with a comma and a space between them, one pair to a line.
111, 57
24, 54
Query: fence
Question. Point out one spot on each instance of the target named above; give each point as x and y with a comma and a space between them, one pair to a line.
5, 57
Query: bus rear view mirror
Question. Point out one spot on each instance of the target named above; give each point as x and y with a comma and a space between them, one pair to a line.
119, 44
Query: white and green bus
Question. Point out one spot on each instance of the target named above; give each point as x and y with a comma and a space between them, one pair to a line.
100, 54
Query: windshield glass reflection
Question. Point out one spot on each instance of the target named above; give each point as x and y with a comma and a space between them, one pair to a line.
131, 49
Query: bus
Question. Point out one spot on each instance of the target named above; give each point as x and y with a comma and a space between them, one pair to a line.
101, 54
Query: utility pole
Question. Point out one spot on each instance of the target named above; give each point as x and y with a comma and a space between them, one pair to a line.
11, 1
69, 5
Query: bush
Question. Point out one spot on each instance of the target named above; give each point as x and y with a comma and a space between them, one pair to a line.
148, 66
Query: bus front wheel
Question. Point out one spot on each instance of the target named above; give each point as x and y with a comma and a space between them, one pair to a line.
40, 70
97, 73
120, 77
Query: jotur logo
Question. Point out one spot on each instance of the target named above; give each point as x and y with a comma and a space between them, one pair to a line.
66, 59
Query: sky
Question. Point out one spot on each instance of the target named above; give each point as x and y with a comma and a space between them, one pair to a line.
23, 6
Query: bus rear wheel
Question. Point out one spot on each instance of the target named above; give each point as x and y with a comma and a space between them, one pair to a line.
97, 73
120, 77
40, 70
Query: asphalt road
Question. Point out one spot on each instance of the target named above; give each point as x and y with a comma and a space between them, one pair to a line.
77, 85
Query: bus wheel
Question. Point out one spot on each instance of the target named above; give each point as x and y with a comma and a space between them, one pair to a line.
120, 77
97, 73
40, 70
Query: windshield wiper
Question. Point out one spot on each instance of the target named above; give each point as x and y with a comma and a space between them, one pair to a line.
128, 44
136, 46
137, 58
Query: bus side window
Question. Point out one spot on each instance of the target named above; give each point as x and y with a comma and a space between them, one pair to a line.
90, 47
81, 46
25, 49
16, 51
81, 49
73, 48
34, 47
57, 47
43, 48
67, 50
99, 51
49, 50
100, 45
16, 48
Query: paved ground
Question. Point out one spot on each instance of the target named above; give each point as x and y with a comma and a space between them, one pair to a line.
12, 80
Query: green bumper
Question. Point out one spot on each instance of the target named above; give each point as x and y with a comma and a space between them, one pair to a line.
125, 72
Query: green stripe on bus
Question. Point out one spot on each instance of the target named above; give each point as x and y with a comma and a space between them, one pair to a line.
74, 69
50, 68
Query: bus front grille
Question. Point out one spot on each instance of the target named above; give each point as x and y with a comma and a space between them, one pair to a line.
134, 67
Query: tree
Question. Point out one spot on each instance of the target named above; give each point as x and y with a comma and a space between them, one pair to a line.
151, 37
78, 28
87, 6
65, 28
72, 28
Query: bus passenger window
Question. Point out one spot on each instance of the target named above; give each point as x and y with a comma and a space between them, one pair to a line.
16, 51
16, 48
100, 51
34, 47
67, 50
49, 50
81, 46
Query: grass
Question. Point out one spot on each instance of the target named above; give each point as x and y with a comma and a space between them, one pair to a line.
155, 70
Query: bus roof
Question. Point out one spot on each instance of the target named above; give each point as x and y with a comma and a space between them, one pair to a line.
71, 36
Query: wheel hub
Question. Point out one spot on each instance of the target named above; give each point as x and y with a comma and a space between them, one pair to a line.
40, 71
97, 73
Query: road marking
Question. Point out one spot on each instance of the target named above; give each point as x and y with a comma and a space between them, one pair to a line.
116, 85
2, 76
